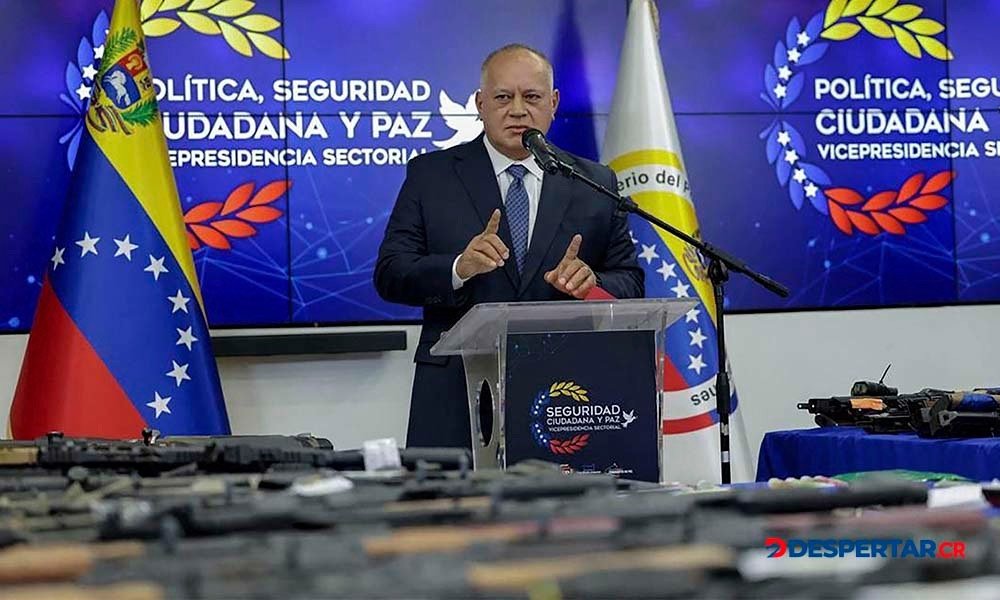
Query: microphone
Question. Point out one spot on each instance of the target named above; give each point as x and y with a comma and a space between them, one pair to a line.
534, 141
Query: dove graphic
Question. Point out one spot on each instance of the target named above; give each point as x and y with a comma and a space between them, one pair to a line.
629, 417
464, 120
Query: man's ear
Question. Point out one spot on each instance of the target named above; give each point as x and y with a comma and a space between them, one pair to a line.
479, 103
555, 101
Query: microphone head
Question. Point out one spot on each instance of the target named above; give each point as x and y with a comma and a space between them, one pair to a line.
528, 137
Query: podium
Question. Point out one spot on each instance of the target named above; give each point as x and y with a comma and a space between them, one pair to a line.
571, 382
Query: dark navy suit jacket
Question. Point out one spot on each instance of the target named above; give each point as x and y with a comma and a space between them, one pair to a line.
446, 200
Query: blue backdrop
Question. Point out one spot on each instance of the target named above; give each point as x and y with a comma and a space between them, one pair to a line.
329, 98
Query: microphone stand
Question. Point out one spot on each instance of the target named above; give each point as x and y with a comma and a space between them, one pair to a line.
720, 264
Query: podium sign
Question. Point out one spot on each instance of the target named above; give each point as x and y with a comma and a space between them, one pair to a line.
586, 400
571, 382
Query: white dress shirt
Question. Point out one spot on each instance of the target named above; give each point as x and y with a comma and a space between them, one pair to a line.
532, 185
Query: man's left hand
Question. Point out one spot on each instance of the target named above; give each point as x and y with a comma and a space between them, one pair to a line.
572, 276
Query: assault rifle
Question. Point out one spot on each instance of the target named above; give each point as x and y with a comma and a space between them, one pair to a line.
929, 413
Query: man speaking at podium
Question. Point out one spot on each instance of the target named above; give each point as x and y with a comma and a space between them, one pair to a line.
481, 222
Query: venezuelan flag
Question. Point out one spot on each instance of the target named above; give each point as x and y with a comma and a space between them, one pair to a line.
120, 340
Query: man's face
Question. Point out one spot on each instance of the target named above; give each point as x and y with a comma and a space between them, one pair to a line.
516, 95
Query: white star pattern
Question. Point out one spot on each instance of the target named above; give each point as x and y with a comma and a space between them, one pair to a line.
125, 248
697, 364
784, 73
791, 157
159, 405
186, 337
784, 138
155, 267
811, 189
794, 55
632, 236
780, 91
692, 315
179, 372
83, 92
799, 175
697, 337
89, 72
57, 258
667, 270
99, 52
648, 253
180, 302
88, 245
681, 290
803, 38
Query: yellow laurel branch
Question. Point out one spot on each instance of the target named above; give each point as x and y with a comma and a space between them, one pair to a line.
242, 33
876, 27
925, 26
907, 42
231, 8
199, 23
880, 7
160, 26
886, 19
855, 7
841, 31
935, 48
258, 23
834, 11
904, 13
268, 45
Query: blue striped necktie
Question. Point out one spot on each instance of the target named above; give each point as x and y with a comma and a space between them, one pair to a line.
516, 206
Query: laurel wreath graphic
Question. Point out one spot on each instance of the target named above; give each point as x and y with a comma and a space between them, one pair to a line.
569, 389
887, 211
570, 446
540, 433
229, 18
215, 223
786, 148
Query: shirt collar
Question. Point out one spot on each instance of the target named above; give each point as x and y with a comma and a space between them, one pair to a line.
501, 162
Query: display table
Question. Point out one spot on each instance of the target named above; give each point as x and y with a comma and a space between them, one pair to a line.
837, 450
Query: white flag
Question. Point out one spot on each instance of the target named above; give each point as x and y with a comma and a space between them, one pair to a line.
642, 147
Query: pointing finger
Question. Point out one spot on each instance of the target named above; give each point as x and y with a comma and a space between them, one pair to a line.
574, 247
494, 223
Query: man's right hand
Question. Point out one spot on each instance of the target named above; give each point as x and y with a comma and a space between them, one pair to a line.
485, 252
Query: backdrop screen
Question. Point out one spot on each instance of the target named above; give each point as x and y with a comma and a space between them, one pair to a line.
846, 153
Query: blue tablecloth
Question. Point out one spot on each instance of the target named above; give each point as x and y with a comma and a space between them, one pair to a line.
836, 450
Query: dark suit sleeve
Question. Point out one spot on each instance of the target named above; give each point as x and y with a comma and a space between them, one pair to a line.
620, 275
406, 273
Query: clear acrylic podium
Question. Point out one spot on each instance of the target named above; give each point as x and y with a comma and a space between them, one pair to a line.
572, 382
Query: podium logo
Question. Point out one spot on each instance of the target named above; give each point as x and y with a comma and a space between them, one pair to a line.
564, 416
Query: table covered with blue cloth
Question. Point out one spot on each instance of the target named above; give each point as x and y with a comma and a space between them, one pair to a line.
836, 450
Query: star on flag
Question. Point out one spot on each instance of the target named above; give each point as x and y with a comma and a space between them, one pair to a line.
159, 404
179, 372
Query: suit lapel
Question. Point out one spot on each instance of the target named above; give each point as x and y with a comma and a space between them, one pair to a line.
475, 171
552, 205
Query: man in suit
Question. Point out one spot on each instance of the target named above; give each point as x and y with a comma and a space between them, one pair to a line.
481, 222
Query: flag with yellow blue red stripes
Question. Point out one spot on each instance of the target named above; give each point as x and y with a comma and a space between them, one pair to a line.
120, 340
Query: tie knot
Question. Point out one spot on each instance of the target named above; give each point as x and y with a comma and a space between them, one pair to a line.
517, 171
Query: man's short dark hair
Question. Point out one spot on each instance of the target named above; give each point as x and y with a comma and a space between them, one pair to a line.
512, 48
